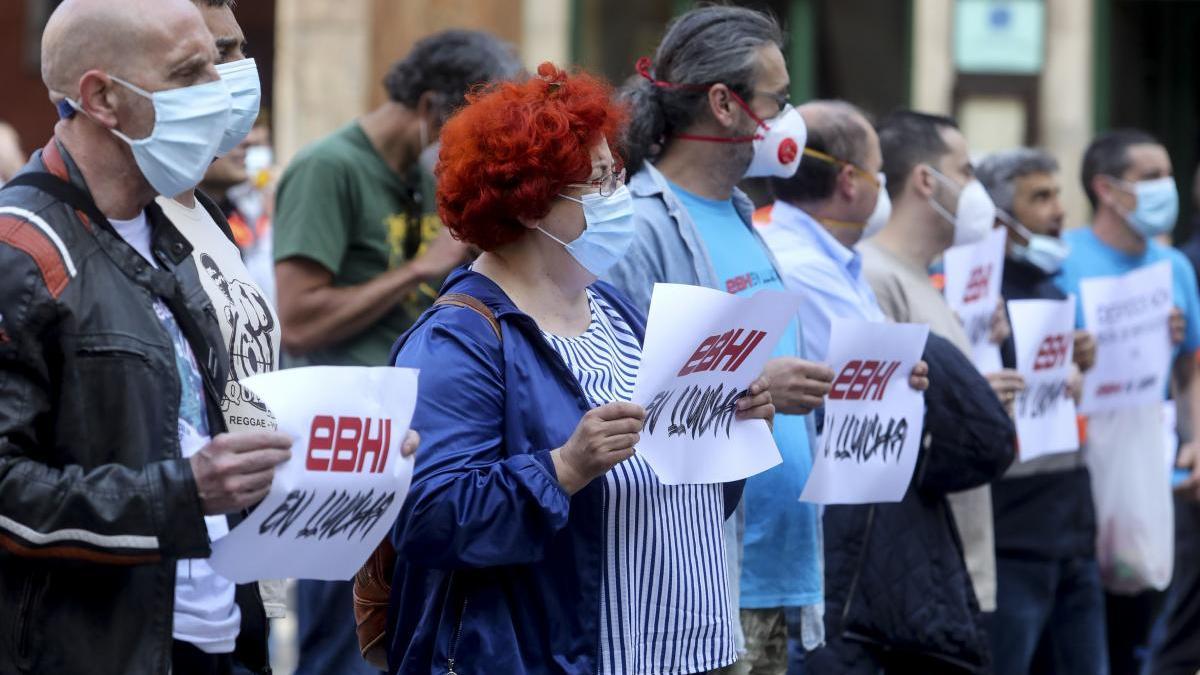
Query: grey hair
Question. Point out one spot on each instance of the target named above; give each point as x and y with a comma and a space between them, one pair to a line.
706, 46
999, 172
450, 64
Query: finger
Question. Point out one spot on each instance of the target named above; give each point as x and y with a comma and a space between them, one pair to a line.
247, 441
748, 402
619, 443
248, 499
815, 388
811, 402
620, 427
921, 369
252, 482
821, 372
619, 410
411, 442
617, 456
764, 412
254, 461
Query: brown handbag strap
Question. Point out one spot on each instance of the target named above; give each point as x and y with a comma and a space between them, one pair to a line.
473, 304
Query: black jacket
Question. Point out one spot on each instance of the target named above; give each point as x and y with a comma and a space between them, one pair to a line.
96, 502
895, 578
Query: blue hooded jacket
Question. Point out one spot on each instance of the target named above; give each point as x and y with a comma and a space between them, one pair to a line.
498, 570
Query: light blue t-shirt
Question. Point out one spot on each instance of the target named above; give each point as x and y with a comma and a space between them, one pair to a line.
1091, 257
781, 566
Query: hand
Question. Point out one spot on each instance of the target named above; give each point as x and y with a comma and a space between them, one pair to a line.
1189, 458
756, 404
919, 377
1075, 384
234, 471
603, 438
798, 386
1084, 350
441, 256
411, 442
1000, 326
1178, 325
1007, 384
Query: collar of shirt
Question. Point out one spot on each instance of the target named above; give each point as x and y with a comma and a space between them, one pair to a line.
797, 220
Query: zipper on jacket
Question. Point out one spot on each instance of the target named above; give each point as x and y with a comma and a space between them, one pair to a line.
30, 599
452, 651
862, 556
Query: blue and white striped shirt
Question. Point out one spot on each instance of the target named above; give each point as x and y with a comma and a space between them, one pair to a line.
664, 607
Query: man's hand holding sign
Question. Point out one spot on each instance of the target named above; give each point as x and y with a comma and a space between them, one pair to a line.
702, 383
874, 416
338, 495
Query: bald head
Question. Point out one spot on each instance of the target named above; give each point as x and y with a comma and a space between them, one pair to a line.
156, 44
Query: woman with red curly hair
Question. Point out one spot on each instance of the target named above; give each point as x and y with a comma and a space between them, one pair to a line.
534, 539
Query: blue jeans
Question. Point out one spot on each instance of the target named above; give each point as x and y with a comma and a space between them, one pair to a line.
1050, 617
328, 641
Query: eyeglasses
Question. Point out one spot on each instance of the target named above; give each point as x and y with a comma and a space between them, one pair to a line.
781, 100
877, 180
607, 186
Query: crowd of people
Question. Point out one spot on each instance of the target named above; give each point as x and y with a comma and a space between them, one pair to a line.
502, 231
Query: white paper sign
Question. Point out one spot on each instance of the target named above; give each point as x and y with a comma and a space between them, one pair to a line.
1044, 340
1128, 314
340, 493
873, 419
973, 274
703, 348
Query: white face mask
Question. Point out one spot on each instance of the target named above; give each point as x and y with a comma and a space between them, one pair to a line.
189, 123
777, 150
246, 91
882, 212
975, 215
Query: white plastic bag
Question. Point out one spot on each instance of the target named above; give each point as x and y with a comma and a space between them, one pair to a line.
1127, 451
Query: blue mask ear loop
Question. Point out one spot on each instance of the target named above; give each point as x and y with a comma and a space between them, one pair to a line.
65, 110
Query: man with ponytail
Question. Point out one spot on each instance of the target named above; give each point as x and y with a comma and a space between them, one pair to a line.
710, 109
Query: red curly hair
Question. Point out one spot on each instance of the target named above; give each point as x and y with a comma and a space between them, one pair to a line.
514, 146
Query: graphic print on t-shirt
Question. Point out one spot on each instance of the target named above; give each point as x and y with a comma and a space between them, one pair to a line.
249, 326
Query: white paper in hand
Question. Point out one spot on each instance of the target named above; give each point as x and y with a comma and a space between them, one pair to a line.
1129, 315
338, 496
703, 348
1044, 340
873, 418
973, 274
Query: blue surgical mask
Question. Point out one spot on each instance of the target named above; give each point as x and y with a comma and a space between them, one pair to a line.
607, 233
1157, 206
246, 91
1042, 251
189, 123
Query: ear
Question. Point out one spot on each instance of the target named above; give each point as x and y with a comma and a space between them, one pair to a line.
845, 183
1104, 189
98, 97
429, 108
722, 105
921, 181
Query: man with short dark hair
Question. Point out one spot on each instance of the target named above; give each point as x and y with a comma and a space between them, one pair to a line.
1127, 175
1049, 599
360, 254
937, 203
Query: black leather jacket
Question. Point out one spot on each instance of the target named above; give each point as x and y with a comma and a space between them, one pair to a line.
96, 502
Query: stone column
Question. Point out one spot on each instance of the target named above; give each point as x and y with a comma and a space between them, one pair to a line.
933, 56
1067, 98
322, 69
